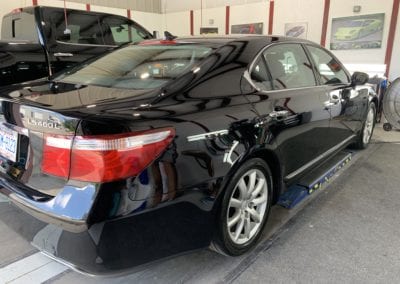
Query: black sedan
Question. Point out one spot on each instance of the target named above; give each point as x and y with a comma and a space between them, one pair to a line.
169, 146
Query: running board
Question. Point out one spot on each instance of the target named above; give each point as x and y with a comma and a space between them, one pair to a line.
314, 180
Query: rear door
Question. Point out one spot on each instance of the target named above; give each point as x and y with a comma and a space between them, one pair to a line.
346, 105
295, 109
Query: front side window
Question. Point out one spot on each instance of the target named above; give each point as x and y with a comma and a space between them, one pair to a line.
289, 66
120, 31
330, 70
137, 67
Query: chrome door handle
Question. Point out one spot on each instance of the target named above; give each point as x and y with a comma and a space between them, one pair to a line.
279, 114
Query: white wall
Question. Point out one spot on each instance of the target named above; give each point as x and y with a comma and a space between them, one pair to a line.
216, 14
300, 11
250, 13
58, 3
152, 22
177, 23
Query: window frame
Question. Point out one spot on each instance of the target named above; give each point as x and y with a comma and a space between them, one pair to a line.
261, 52
316, 69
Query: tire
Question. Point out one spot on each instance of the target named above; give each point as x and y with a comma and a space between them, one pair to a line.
364, 137
242, 217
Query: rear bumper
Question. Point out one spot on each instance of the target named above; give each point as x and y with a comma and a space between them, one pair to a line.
69, 210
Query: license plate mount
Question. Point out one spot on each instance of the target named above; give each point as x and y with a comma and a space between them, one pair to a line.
8, 143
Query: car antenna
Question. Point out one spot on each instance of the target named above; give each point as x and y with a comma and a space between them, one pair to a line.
169, 36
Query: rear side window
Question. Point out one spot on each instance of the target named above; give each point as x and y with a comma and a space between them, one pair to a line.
19, 26
259, 75
289, 66
330, 70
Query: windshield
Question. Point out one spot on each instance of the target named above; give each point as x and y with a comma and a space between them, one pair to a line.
137, 67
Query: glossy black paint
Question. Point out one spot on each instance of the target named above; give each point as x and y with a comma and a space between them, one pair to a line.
41, 53
220, 119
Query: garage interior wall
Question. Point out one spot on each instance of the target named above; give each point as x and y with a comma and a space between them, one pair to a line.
175, 17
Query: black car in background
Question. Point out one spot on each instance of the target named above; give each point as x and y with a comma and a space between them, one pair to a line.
40, 41
168, 146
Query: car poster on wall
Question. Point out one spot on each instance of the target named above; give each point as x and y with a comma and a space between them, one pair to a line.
357, 32
253, 28
296, 30
208, 31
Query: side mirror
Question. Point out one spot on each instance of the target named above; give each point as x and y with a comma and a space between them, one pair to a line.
359, 78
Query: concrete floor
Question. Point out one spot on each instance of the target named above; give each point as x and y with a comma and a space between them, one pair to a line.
346, 232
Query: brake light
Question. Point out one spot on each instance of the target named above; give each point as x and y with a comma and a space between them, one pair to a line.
103, 158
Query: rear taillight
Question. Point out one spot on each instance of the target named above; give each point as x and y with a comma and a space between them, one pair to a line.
103, 158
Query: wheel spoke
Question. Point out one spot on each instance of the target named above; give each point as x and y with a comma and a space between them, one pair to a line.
247, 228
235, 218
235, 203
239, 228
260, 200
252, 182
255, 215
243, 188
259, 187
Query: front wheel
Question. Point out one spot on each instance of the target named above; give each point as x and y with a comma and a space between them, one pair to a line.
368, 128
245, 208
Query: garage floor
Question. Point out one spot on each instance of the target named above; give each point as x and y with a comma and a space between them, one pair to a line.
347, 232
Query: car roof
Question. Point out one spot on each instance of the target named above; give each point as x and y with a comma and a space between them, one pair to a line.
216, 41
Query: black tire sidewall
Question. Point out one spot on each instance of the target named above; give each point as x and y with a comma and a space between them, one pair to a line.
223, 239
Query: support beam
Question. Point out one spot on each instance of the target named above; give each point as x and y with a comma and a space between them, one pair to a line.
191, 23
87, 7
128, 13
325, 22
34, 2
271, 17
227, 18
391, 36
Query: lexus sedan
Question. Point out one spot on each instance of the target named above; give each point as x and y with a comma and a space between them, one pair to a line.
168, 146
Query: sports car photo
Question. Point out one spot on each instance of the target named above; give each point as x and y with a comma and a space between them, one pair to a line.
356, 29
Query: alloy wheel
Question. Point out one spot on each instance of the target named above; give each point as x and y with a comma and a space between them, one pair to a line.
369, 126
247, 206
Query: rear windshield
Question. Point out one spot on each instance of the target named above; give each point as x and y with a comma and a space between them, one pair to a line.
137, 67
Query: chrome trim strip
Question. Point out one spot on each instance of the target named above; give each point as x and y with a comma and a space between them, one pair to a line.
320, 157
207, 135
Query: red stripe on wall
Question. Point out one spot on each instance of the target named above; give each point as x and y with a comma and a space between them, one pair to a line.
128, 13
325, 21
271, 17
191, 23
87, 7
34, 2
392, 32
227, 17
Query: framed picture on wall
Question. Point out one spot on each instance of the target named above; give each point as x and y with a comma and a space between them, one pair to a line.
208, 31
296, 30
357, 32
253, 28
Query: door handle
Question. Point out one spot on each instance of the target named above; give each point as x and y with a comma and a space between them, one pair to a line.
63, 54
279, 114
